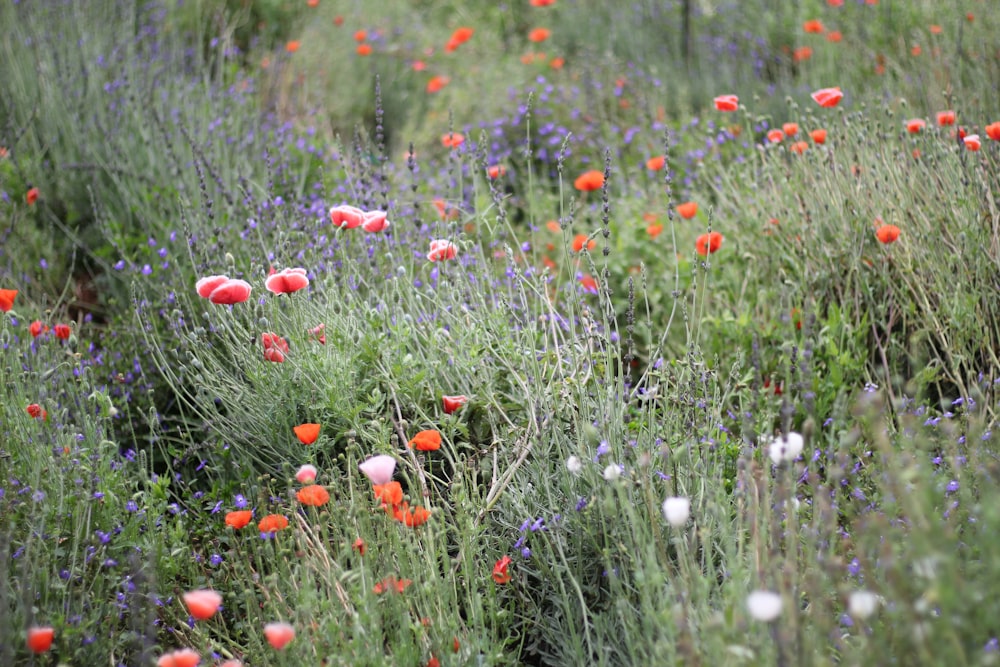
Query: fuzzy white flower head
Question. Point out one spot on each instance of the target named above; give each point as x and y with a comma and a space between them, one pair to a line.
785, 448
306, 474
612, 472
379, 469
676, 511
574, 464
862, 604
764, 605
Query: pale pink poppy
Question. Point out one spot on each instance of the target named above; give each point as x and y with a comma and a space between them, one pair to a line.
379, 469
279, 634
727, 102
346, 216
287, 281
230, 292
453, 403
375, 222
306, 474
207, 285
442, 249
828, 97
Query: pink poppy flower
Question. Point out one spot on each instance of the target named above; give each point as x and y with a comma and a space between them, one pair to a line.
306, 474
442, 249
828, 97
453, 403
207, 285
375, 222
318, 333
379, 469
287, 281
279, 634
347, 217
230, 292
727, 102
202, 604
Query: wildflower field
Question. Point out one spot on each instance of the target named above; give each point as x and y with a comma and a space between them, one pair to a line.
542, 332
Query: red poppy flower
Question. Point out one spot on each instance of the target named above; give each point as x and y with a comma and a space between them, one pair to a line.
31, 196
202, 604
500, 574
375, 222
390, 584
834, 36
459, 37
7, 299
40, 638
915, 125
452, 139
230, 292
727, 102
656, 163
307, 433
589, 284
426, 441
389, 494
828, 97
275, 347
589, 181
410, 518
580, 240
945, 118
687, 210
814, 26
184, 657
37, 329
775, 136
818, 136
496, 171
363, 49
360, 35
442, 249
708, 243
287, 281
314, 495
239, 519
346, 217
433, 662
542, 3
539, 35
436, 83
35, 411
453, 403
272, 523
993, 131
62, 331
293, 46
790, 129
887, 234
972, 142
278, 635
654, 229
799, 147
359, 546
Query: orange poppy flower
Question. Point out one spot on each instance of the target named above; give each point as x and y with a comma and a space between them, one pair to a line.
410, 518
459, 37
557, 62
589, 181
916, 50
426, 441
314, 495
802, 53
500, 574
654, 230
687, 210
444, 210
239, 519
7, 299
272, 523
436, 83
814, 26
553, 226
887, 233
31, 196
293, 46
389, 494
727, 102
945, 118
799, 147
452, 139
496, 171
935, 29
915, 125
775, 136
791, 129
539, 35
993, 131
580, 240
818, 136
364, 49
391, 583
656, 163
307, 433
360, 35
708, 243
834, 36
